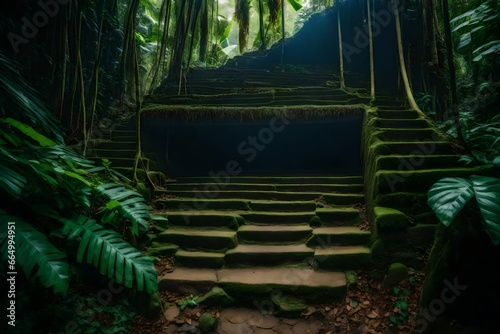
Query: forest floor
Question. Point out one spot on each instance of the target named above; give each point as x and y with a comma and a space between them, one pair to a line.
368, 307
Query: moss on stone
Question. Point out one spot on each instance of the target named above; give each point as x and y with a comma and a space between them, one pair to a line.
315, 221
397, 272
288, 305
208, 323
351, 277
162, 249
216, 297
388, 219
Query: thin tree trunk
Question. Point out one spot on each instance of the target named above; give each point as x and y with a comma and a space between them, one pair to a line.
263, 45
453, 82
372, 63
402, 66
341, 53
137, 115
204, 31
282, 30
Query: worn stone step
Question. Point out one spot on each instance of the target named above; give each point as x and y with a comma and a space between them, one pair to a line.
215, 186
334, 199
115, 162
323, 188
415, 162
117, 145
274, 233
401, 135
356, 179
338, 235
412, 148
202, 204
99, 152
199, 239
403, 123
283, 206
343, 257
420, 180
269, 255
246, 286
391, 113
339, 216
197, 259
192, 218
277, 217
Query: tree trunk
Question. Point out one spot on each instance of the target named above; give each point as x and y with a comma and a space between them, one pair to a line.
372, 63
341, 53
402, 66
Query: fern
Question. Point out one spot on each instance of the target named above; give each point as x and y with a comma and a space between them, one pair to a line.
107, 251
36, 255
129, 203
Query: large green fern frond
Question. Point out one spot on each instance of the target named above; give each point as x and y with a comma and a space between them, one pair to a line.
33, 253
131, 205
115, 258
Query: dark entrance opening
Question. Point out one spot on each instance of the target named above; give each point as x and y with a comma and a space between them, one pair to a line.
318, 145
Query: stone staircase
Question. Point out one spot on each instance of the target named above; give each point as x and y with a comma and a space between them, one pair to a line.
260, 232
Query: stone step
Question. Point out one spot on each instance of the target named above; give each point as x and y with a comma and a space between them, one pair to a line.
401, 135
98, 152
334, 199
203, 204
278, 217
412, 148
339, 235
199, 239
398, 114
269, 255
343, 257
403, 123
117, 145
115, 162
221, 180
283, 206
193, 218
274, 233
312, 286
415, 162
197, 259
324, 188
339, 216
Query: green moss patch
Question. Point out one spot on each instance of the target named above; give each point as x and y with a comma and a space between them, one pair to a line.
389, 220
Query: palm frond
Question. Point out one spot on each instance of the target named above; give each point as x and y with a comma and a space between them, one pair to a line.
34, 254
107, 251
131, 205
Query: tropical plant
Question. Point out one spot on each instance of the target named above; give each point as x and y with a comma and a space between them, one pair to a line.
55, 197
449, 196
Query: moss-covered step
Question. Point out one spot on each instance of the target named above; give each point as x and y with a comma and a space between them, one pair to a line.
397, 114
343, 257
277, 217
274, 233
420, 180
418, 123
199, 239
204, 218
411, 148
206, 187
197, 259
395, 108
339, 216
115, 162
416, 161
387, 219
188, 280
349, 179
336, 199
202, 204
117, 145
399, 135
412, 203
322, 188
248, 286
123, 136
282, 206
268, 255
338, 235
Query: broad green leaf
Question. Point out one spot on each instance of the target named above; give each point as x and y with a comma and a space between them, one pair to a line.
226, 33
77, 177
448, 196
487, 191
113, 204
30, 132
295, 4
